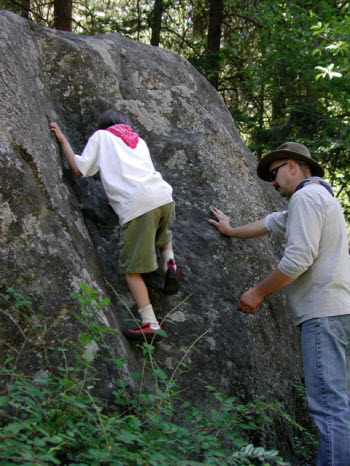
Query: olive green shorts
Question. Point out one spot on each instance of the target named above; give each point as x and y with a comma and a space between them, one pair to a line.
140, 237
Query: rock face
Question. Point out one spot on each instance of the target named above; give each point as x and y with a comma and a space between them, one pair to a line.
58, 231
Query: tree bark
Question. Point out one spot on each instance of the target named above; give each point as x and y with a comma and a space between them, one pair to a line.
157, 22
214, 39
63, 15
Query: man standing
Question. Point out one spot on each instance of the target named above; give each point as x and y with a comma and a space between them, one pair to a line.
315, 269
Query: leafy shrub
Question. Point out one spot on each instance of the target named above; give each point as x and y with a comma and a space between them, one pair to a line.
54, 417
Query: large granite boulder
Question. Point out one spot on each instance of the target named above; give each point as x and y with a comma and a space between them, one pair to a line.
58, 231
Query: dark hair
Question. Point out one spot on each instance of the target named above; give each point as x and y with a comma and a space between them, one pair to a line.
112, 117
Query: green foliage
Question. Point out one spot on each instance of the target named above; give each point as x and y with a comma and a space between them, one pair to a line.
55, 417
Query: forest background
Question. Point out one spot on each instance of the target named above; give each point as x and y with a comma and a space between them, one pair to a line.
282, 67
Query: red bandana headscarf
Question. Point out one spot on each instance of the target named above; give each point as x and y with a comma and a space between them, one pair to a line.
126, 134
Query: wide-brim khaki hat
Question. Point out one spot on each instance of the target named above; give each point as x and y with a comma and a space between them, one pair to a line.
288, 150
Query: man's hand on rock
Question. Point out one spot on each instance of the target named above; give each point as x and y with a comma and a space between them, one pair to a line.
250, 301
223, 222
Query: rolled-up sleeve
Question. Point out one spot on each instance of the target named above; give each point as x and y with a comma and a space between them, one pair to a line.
304, 226
276, 222
87, 162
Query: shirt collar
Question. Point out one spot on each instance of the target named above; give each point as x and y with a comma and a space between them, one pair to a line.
315, 179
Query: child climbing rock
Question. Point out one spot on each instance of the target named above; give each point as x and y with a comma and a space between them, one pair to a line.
141, 199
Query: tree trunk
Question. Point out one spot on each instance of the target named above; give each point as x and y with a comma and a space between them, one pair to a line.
157, 22
25, 8
278, 105
63, 15
214, 39
139, 21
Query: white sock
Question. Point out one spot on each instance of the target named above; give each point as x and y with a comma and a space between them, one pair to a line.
147, 315
167, 254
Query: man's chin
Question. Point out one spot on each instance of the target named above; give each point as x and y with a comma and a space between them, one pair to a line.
281, 191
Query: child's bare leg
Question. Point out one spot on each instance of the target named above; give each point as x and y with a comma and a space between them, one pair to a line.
139, 292
137, 289
168, 246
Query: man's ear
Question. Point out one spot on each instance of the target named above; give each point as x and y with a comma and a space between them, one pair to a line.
292, 166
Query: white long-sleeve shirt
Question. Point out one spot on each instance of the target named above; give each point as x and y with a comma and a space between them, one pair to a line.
132, 184
316, 253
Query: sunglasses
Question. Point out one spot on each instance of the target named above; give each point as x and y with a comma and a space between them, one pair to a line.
273, 172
